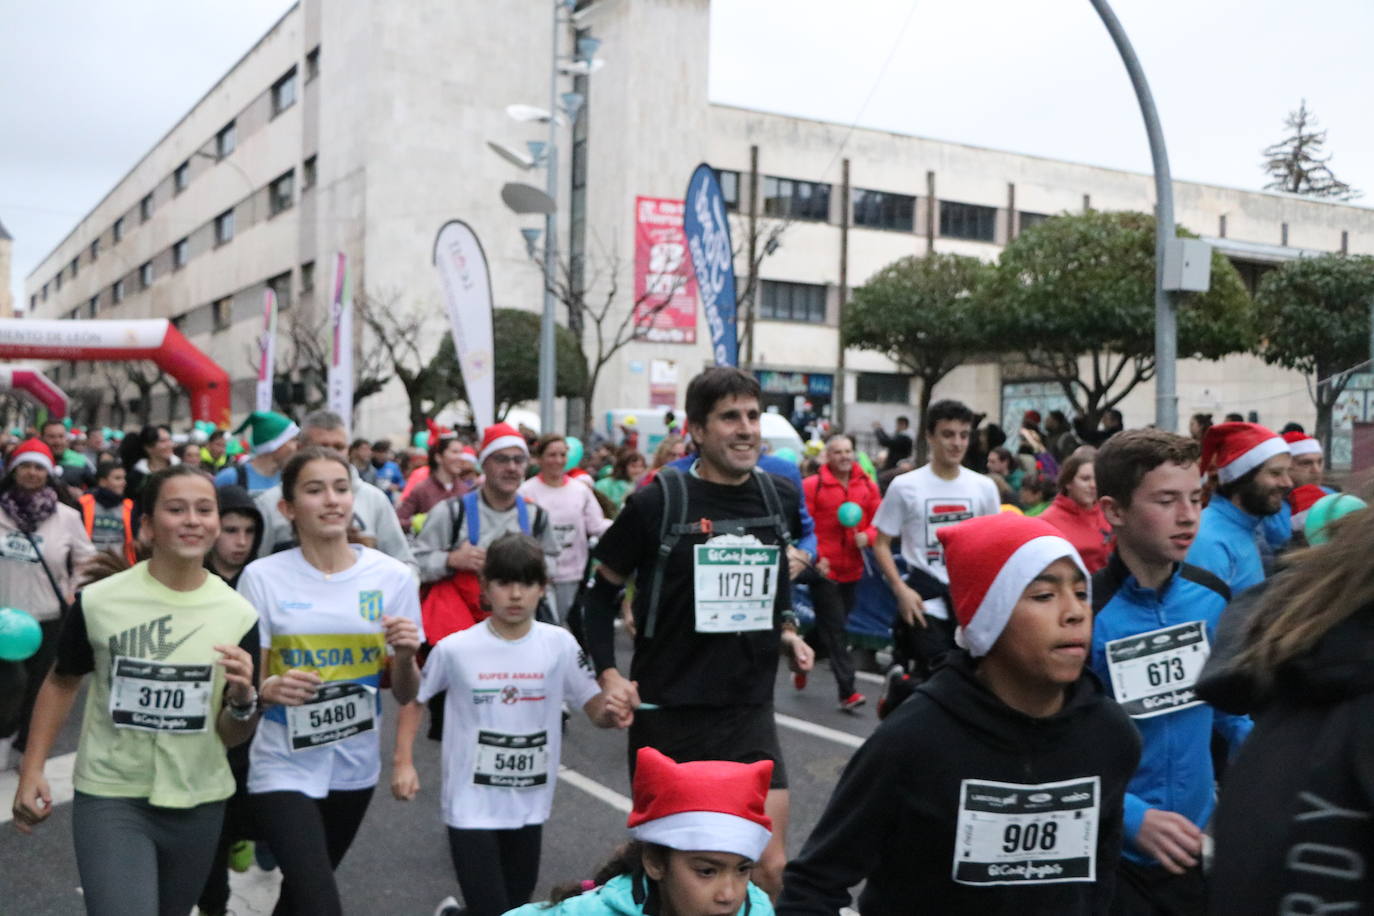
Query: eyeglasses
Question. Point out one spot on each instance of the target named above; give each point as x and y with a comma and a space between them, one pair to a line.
516, 459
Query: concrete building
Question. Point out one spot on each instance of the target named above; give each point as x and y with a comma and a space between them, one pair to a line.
363, 127
6, 297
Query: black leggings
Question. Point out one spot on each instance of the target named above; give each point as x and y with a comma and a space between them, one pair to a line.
496, 869
833, 601
34, 670
309, 837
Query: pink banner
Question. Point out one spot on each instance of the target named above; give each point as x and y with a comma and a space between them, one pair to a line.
663, 273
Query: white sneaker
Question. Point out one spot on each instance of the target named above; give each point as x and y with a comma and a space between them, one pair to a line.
448, 907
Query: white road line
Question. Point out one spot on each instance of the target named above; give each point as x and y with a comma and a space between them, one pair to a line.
820, 731
59, 772
595, 789
869, 676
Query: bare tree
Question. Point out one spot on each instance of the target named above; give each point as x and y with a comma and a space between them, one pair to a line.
1296, 163
144, 376
404, 347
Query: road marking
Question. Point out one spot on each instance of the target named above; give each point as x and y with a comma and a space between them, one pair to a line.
59, 772
595, 789
820, 731
869, 676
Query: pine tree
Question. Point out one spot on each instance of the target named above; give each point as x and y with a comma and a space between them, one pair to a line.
1297, 165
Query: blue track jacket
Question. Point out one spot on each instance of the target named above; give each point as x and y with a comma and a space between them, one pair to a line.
1175, 772
1226, 546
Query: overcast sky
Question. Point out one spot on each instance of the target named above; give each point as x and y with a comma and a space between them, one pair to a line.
88, 87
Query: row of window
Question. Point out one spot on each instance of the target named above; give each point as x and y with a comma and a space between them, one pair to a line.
221, 310
283, 96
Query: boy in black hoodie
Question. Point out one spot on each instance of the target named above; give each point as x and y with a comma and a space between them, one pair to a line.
240, 536
998, 787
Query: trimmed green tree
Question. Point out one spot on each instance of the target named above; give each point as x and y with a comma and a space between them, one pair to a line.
926, 315
1314, 316
515, 336
1075, 298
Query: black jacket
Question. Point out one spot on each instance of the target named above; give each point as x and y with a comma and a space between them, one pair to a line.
895, 815
1295, 823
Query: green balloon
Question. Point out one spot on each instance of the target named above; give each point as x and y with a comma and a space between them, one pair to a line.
849, 514
866, 463
786, 454
1325, 511
575, 450
420, 439
20, 635
235, 447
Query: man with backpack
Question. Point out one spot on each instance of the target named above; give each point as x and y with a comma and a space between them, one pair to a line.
708, 549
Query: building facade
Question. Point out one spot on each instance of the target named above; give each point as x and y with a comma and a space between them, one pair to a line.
363, 127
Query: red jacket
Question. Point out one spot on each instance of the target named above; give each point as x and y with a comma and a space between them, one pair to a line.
824, 495
1086, 529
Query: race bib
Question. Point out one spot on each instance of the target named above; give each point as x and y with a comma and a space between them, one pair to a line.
157, 697
1154, 673
513, 761
736, 582
1019, 834
336, 712
14, 546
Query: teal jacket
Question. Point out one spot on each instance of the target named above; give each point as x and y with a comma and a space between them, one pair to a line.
616, 898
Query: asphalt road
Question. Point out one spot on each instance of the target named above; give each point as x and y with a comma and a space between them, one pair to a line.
399, 863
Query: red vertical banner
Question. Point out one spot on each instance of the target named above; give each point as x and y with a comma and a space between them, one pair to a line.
665, 288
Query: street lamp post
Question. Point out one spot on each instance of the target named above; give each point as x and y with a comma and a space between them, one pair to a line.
1166, 329
547, 357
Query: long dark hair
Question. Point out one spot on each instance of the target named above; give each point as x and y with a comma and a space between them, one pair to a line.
135, 448
626, 859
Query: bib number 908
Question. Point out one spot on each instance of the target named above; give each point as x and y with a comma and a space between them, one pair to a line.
1032, 837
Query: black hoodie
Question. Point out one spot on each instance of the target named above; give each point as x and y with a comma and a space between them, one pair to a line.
895, 816
1294, 827
236, 499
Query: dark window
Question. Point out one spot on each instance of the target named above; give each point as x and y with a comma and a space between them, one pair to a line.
884, 388
796, 199
281, 193
729, 188
179, 322
224, 227
222, 313
782, 301
308, 173
117, 291
312, 63
93, 307
967, 221
307, 276
181, 177
284, 92
145, 208
95, 249
881, 210
145, 275
226, 140
119, 229
181, 253
45, 292
57, 282
75, 265
281, 285
74, 314
1028, 219
33, 301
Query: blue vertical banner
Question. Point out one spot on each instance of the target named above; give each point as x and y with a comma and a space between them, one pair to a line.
713, 261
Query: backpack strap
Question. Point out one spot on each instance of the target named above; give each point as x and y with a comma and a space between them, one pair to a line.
522, 514
672, 525
774, 504
459, 511
474, 515
241, 475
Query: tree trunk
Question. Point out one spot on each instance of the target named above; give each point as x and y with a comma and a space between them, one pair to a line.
918, 429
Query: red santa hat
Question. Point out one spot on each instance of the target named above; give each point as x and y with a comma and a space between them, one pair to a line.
710, 805
31, 451
437, 434
498, 436
467, 455
1300, 443
991, 559
1235, 449
1301, 499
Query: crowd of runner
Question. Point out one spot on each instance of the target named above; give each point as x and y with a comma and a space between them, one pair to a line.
1129, 671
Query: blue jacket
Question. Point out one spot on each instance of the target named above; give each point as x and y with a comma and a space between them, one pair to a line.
1175, 772
781, 468
616, 898
1226, 546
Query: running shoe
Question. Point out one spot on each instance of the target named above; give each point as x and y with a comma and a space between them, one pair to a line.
853, 702
897, 686
263, 854
448, 907
799, 680
241, 856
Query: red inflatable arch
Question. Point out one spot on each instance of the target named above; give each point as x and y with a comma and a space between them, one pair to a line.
152, 339
37, 386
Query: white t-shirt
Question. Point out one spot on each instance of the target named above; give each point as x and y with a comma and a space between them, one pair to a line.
330, 624
503, 721
919, 503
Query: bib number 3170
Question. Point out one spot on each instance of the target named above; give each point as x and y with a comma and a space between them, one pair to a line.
156, 697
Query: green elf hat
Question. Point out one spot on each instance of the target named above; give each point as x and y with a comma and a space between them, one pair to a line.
268, 431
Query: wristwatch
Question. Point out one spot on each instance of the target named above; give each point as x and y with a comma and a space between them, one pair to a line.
244, 712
